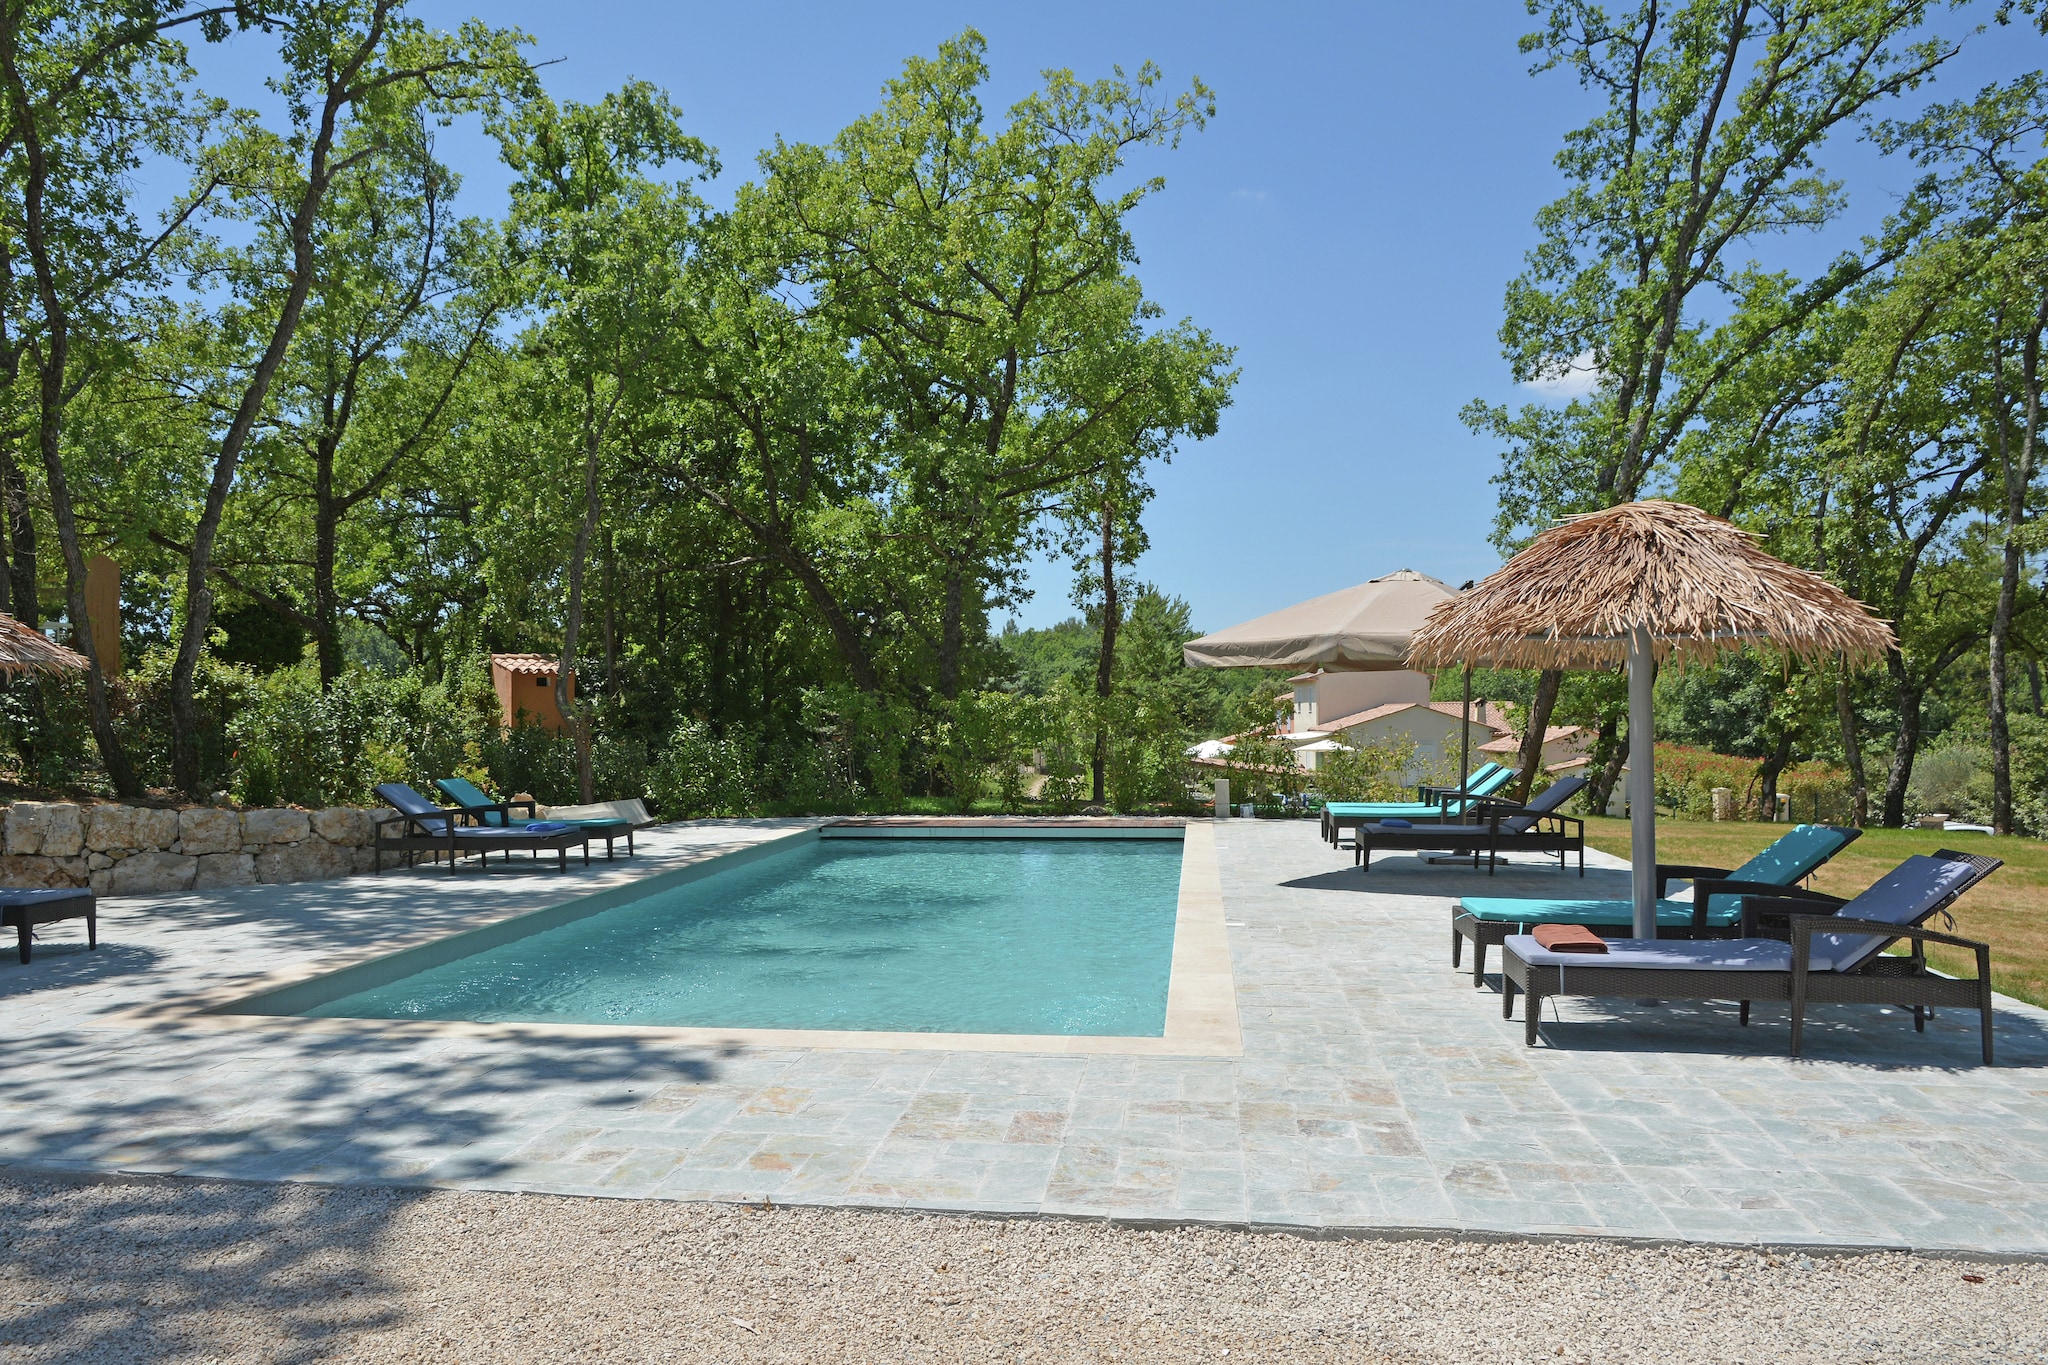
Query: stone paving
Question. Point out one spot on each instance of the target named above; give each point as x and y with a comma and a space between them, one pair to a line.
1377, 1089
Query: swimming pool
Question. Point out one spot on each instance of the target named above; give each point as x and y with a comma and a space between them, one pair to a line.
1070, 936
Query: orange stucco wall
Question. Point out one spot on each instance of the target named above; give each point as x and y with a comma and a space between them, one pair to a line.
530, 694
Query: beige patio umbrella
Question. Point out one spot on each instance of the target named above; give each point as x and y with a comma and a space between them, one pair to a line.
1639, 584
1361, 629
23, 650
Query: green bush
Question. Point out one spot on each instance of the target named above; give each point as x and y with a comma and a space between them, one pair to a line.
699, 774
1378, 771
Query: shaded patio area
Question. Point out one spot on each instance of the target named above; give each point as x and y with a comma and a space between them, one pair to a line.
1377, 1089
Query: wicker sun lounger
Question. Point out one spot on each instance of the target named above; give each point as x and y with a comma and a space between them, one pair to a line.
506, 814
423, 827
22, 910
1504, 828
1432, 804
1715, 910
1834, 959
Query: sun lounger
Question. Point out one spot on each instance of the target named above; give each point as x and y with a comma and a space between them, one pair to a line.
506, 814
1433, 804
1504, 828
1715, 909
1835, 959
23, 909
423, 827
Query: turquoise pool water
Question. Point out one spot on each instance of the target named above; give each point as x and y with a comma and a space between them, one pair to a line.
1064, 936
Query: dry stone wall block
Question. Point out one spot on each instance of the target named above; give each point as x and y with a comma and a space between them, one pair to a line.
274, 826
109, 827
113, 827
35, 871
225, 869
311, 861
209, 829
343, 825
55, 829
153, 871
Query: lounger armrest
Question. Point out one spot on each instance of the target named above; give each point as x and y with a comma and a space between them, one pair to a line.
1685, 872
1704, 889
1767, 902
415, 824
1804, 927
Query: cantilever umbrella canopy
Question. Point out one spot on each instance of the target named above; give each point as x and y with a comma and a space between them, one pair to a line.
1361, 629
23, 650
1639, 584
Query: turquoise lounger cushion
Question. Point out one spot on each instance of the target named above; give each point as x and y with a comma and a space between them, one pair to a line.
1481, 783
1792, 855
465, 793
1601, 914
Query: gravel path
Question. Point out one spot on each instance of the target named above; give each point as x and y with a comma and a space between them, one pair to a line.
168, 1270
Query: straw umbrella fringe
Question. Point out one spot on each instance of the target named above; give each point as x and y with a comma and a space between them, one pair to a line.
1641, 584
1573, 598
23, 650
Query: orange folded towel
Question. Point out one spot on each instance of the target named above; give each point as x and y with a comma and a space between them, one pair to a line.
1568, 938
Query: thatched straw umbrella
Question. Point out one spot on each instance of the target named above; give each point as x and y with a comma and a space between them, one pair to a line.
23, 650
1639, 584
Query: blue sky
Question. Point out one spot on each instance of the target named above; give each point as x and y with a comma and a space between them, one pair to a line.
1348, 222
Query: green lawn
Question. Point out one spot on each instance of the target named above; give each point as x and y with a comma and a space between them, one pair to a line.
2009, 910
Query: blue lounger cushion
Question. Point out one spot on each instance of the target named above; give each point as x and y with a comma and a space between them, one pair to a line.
1682, 954
14, 897
1903, 896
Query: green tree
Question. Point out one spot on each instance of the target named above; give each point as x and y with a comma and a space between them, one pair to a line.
598, 239
357, 76
1714, 114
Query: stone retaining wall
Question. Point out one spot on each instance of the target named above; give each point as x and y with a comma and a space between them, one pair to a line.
136, 850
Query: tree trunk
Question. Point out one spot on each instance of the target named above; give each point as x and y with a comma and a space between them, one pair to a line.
576, 714
1852, 748
1530, 758
52, 359
338, 95
1606, 759
327, 512
1767, 777
2034, 682
1905, 748
952, 629
2018, 468
611, 624
1105, 661
21, 535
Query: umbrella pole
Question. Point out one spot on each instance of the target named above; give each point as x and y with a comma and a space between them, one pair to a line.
1642, 821
1465, 732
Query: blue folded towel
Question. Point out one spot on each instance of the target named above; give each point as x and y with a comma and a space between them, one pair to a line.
547, 827
1397, 824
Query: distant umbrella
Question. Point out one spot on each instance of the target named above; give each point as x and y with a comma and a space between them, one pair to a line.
1638, 584
23, 650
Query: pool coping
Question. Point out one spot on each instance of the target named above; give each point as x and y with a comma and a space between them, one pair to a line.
1201, 999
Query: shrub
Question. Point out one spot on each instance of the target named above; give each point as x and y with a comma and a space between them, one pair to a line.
1376, 771
699, 774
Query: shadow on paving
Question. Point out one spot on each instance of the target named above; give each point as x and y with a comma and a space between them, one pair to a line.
1873, 1037
63, 965
134, 1271
338, 1106
1398, 876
